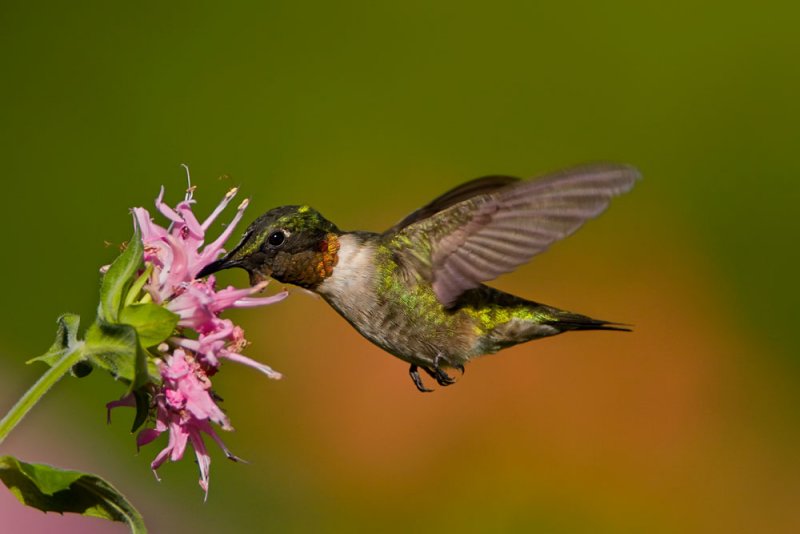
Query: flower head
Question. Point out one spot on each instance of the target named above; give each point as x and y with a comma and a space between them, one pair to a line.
183, 403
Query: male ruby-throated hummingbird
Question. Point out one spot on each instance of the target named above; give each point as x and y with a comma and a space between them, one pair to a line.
416, 289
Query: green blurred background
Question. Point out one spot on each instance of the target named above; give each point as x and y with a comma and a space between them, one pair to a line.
367, 110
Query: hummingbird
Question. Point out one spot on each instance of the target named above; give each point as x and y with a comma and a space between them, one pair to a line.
417, 290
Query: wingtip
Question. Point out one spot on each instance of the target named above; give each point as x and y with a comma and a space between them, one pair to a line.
629, 173
634, 172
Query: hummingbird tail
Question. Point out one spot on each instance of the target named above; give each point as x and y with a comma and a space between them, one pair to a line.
566, 321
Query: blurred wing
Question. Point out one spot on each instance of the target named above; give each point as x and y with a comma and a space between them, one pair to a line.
493, 232
478, 186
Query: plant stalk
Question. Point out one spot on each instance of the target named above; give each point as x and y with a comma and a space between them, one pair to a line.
37, 391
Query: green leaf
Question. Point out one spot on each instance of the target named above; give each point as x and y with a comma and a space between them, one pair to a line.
116, 348
57, 490
153, 323
66, 340
119, 277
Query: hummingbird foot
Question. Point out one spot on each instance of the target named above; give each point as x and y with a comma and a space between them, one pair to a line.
438, 374
442, 378
414, 372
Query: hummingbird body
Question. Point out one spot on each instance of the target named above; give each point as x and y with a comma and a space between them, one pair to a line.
416, 290
405, 318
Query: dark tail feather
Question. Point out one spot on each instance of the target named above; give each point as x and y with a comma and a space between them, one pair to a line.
566, 321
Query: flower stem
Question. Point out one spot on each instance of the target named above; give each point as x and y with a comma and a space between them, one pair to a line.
37, 391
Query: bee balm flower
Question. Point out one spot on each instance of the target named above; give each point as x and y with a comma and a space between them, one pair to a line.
183, 404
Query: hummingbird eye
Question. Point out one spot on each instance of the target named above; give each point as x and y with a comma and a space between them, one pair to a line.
276, 239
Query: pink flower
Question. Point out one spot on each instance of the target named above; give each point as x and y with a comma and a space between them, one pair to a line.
185, 408
183, 404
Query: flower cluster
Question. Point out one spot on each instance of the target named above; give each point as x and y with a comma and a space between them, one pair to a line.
184, 404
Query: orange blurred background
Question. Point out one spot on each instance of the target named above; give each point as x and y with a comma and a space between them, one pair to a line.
367, 111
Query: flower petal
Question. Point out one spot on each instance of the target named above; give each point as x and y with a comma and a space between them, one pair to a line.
250, 302
127, 400
203, 459
165, 210
221, 206
211, 251
266, 369
146, 436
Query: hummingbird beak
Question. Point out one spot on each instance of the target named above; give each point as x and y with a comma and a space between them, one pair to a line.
257, 275
219, 265
241, 258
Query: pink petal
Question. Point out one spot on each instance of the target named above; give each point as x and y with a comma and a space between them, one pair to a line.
266, 369
222, 205
178, 436
127, 400
159, 460
185, 211
146, 436
211, 251
200, 404
210, 431
224, 329
250, 302
165, 210
178, 269
203, 459
227, 297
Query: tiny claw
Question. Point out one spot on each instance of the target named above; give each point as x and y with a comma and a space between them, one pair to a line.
439, 375
442, 378
414, 373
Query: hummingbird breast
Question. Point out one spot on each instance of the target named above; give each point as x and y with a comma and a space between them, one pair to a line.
403, 319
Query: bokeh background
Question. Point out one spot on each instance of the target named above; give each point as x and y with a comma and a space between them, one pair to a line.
367, 110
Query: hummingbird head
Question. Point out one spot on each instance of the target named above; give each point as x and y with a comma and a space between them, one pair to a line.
292, 244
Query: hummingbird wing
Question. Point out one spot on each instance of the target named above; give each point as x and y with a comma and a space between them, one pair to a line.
465, 191
483, 229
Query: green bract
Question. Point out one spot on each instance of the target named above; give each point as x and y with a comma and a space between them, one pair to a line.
153, 323
119, 277
66, 340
